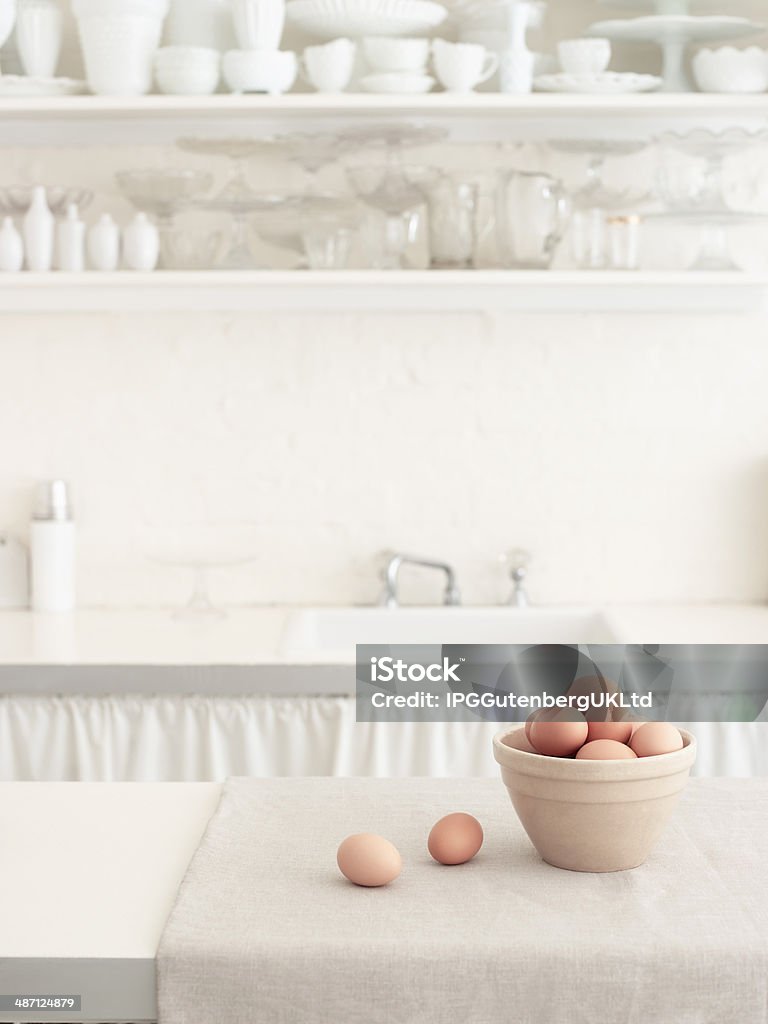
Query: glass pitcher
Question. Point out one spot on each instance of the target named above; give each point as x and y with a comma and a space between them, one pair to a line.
531, 218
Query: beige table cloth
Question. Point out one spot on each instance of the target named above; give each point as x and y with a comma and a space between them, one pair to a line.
266, 931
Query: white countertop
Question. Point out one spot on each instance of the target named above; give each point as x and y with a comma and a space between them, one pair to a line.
265, 636
92, 869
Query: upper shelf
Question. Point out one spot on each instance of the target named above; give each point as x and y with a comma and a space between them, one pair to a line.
78, 120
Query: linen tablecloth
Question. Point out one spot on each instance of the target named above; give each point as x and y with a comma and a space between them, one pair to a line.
266, 931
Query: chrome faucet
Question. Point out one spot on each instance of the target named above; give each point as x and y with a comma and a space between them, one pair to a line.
517, 560
389, 596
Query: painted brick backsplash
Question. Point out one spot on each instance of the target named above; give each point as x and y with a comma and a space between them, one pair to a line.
629, 453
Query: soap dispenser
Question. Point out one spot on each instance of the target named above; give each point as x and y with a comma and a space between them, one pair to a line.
52, 549
70, 242
11, 248
104, 244
38, 232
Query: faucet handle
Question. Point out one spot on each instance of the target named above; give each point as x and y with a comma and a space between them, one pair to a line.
517, 561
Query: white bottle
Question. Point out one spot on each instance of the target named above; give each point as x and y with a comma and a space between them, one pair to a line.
70, 242
52, 549
38, 232
11, 248
104, 244
141, 244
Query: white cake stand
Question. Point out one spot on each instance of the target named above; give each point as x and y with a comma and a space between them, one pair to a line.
663, 6
674, 33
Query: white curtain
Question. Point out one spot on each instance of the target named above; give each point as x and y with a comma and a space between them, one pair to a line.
191, 739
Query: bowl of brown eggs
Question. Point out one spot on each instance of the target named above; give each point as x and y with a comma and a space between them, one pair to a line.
594, 796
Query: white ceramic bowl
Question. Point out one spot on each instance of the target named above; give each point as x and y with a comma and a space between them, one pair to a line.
119, 8
584, 56
393, 53
592, 815
270, 71
328, 19
729, 70
187, 70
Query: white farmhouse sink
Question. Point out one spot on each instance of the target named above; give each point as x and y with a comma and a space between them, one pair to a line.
335, 631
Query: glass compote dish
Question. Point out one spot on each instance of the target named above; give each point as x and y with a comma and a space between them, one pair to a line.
15, 199
593, 199
163, 193
237, 197
201, 549
700, 185
387, 189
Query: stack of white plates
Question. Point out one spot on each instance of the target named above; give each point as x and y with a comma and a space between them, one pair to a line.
329, 19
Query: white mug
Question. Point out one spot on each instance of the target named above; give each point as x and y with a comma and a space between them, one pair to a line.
462, 66
329, 68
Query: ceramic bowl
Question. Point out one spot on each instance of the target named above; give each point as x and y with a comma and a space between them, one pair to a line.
187, 70
592, 815
584, 56
273, 72
729, 70
390, 53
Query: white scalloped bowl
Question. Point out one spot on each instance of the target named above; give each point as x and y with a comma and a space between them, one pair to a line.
328, 19
728, 70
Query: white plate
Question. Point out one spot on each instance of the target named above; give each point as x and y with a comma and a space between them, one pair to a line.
397, 83
610, 83
26, 85
660, 27
329, 19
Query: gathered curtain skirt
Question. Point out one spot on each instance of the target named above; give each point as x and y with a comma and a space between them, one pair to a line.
202, 738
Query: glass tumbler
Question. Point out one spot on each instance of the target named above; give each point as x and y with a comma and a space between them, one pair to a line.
452, 208
531, 218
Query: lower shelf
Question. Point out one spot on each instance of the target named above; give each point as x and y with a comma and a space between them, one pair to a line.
384, 291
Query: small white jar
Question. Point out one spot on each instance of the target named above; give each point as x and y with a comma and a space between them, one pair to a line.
70, 242
11, 248
104, 244
141, 244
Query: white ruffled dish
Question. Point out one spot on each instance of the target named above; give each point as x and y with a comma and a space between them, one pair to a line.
609, 83
728, 70
398, 83
29, 85
329, 19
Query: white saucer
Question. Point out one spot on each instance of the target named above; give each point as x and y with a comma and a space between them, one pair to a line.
398, 82
28, 85
609, 83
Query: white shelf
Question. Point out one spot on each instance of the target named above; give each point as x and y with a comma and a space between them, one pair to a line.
374, 291
155, 119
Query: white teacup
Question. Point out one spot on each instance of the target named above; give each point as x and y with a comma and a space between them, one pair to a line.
329, 68
462, 66
584, 56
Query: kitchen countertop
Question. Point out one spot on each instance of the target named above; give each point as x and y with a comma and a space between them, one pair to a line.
261, 636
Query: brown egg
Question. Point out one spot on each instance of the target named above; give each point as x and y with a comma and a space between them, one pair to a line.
455, 839
593, 687
605, 750
619, 731
368, 859
561, 735
656, 738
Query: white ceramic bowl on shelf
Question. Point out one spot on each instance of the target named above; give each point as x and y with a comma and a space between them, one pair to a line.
328, 19
269, 71
728, 70
396, 53
187, 70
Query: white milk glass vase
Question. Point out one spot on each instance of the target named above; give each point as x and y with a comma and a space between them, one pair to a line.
39, 225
